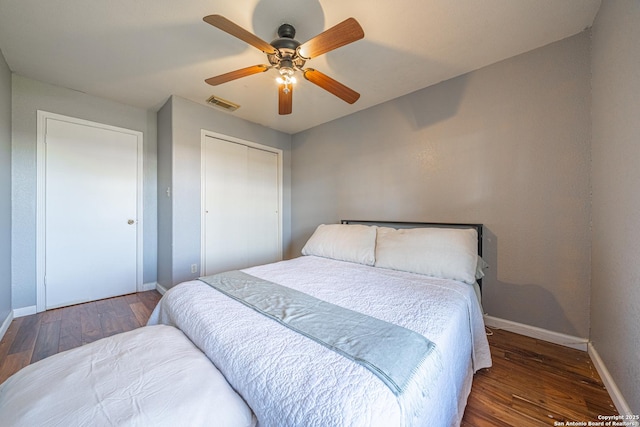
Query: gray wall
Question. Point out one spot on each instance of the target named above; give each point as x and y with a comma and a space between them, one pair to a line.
165, 209
507, 145
5, 190
615, 270
187, 121
30, 96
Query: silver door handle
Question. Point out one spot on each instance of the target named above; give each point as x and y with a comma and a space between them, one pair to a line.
131, 222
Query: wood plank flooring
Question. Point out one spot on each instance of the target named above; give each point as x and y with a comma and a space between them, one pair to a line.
32, 338
535, 383
531, 383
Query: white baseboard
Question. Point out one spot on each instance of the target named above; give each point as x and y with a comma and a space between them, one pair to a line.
5, 324
535, 332
616, 395
160, 288
149, 286
24, 311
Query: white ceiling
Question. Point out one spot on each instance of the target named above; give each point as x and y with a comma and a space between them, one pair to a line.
139, 52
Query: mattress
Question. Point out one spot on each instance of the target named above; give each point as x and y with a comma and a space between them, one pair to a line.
290, 380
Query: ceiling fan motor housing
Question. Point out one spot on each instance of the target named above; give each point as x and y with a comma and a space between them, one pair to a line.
287, 55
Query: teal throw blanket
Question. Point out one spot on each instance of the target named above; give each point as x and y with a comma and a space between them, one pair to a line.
391, 352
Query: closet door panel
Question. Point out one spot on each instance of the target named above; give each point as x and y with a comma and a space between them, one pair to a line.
226, 197
241, 201
263, 203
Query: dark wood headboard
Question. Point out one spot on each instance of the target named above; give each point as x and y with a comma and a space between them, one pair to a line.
402, 224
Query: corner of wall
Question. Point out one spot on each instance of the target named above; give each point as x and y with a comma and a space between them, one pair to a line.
165, 182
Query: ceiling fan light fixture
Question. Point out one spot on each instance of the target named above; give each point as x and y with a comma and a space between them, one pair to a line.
286, 67
287, 71
286, 80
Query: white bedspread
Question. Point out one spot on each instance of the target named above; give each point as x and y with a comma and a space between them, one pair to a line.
290, 380
151, 376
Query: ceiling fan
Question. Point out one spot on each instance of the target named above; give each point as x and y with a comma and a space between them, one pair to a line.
288, 55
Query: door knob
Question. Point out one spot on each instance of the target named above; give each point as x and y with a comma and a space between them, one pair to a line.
130, 222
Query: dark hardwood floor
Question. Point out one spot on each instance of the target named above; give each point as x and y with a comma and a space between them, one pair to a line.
536, 383
531, 383
32, 338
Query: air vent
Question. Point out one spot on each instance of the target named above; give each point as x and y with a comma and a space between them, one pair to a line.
222, 103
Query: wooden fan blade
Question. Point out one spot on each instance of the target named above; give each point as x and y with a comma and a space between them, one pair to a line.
339, 35
235, 30
331, 85
243, 72
285, 99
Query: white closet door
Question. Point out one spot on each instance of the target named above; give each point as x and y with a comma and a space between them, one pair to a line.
91, 213
263, 199
226, 209
241, 191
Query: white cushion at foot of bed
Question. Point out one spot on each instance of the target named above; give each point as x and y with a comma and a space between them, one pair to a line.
151, 376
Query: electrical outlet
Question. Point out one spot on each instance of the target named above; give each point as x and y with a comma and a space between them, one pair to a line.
194, 268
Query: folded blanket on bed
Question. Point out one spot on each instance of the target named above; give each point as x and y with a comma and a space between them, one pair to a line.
389, 351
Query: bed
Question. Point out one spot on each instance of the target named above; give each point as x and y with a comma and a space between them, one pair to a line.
407, 292
151, 376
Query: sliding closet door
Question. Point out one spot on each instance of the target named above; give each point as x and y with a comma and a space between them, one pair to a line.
263, 227
226, 210
241, 225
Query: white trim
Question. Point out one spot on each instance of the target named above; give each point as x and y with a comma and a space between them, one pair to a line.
535, 332
616, 395
150, 286
161, 289
43, 116
139, 208
40, 209
5, 324
203, 211
24, 311
279, 153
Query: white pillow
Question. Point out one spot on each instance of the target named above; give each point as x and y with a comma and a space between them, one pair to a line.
344, 242
447, 253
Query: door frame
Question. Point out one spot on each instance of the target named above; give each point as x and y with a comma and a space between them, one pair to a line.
203, 217
41, 151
